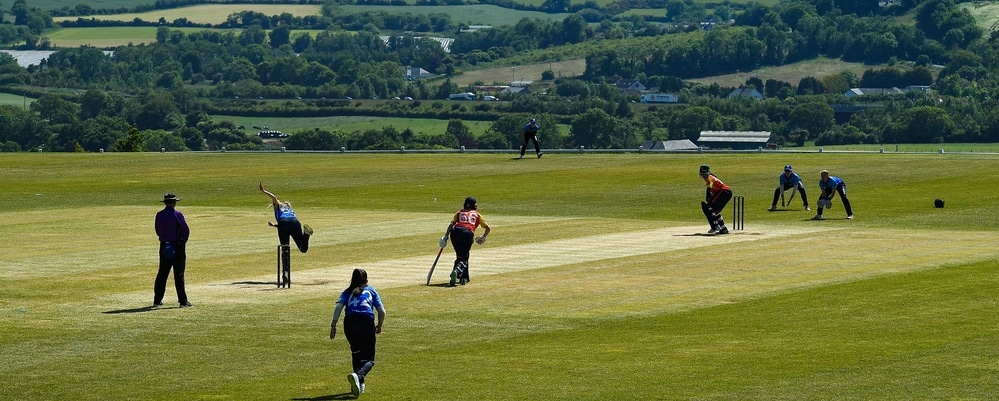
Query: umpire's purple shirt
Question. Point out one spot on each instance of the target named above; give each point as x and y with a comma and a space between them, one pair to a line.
171, 226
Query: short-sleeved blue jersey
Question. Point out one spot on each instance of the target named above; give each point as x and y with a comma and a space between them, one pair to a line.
282, 211
794, 179
364, 303
831, 183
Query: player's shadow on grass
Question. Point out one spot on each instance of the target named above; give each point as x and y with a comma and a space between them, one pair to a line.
733, 232
149, 308
254, 283
341, 396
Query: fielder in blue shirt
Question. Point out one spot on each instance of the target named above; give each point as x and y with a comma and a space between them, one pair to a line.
361, 301
829, 186
789, 180
531, 134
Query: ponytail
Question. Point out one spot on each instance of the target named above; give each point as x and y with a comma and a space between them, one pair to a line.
358, 280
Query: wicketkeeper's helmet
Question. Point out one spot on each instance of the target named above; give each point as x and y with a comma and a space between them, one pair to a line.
787, 167
705, 169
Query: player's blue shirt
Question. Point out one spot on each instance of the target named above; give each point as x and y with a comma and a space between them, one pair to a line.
531, 129
792, 180
364, 303
831, 183
283, 212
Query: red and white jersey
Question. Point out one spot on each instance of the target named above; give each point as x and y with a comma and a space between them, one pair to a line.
470, 219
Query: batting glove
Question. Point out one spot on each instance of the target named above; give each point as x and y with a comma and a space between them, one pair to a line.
443, 242
481, 240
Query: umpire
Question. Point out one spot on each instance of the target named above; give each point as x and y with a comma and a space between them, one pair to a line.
173, 232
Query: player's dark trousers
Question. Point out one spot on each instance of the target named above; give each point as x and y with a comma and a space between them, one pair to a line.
841, 190
360, 332
178, 263
292, 228
713, 210
461, 240
528, 136
801, 190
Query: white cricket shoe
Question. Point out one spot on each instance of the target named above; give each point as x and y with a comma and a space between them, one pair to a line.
355, 384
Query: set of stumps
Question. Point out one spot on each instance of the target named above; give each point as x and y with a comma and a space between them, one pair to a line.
284, 266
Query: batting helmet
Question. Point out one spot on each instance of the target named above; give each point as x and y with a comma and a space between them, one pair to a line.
470, 202
939, 203
787, 167
705, 169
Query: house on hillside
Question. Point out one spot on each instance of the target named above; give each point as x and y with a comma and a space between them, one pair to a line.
674, 145
414, 73
474, 28
745, 92
513, 90
736, 140
854, 92
630, 86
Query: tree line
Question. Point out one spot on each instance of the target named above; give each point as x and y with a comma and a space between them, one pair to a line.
166, 90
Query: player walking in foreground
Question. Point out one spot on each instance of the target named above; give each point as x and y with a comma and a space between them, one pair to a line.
461, 231
789, 180
829, 186
173, 231
531, 134
717, 195
361, 302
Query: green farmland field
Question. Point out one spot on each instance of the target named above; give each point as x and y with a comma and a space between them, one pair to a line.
107, 37
207, 13
15, 100
478, 14
349, 124
597, 282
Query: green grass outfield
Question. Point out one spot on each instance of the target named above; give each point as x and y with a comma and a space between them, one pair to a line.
595, 283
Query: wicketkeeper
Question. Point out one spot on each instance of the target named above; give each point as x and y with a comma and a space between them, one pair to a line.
789, 180
829, 186
461, 232
717, 195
